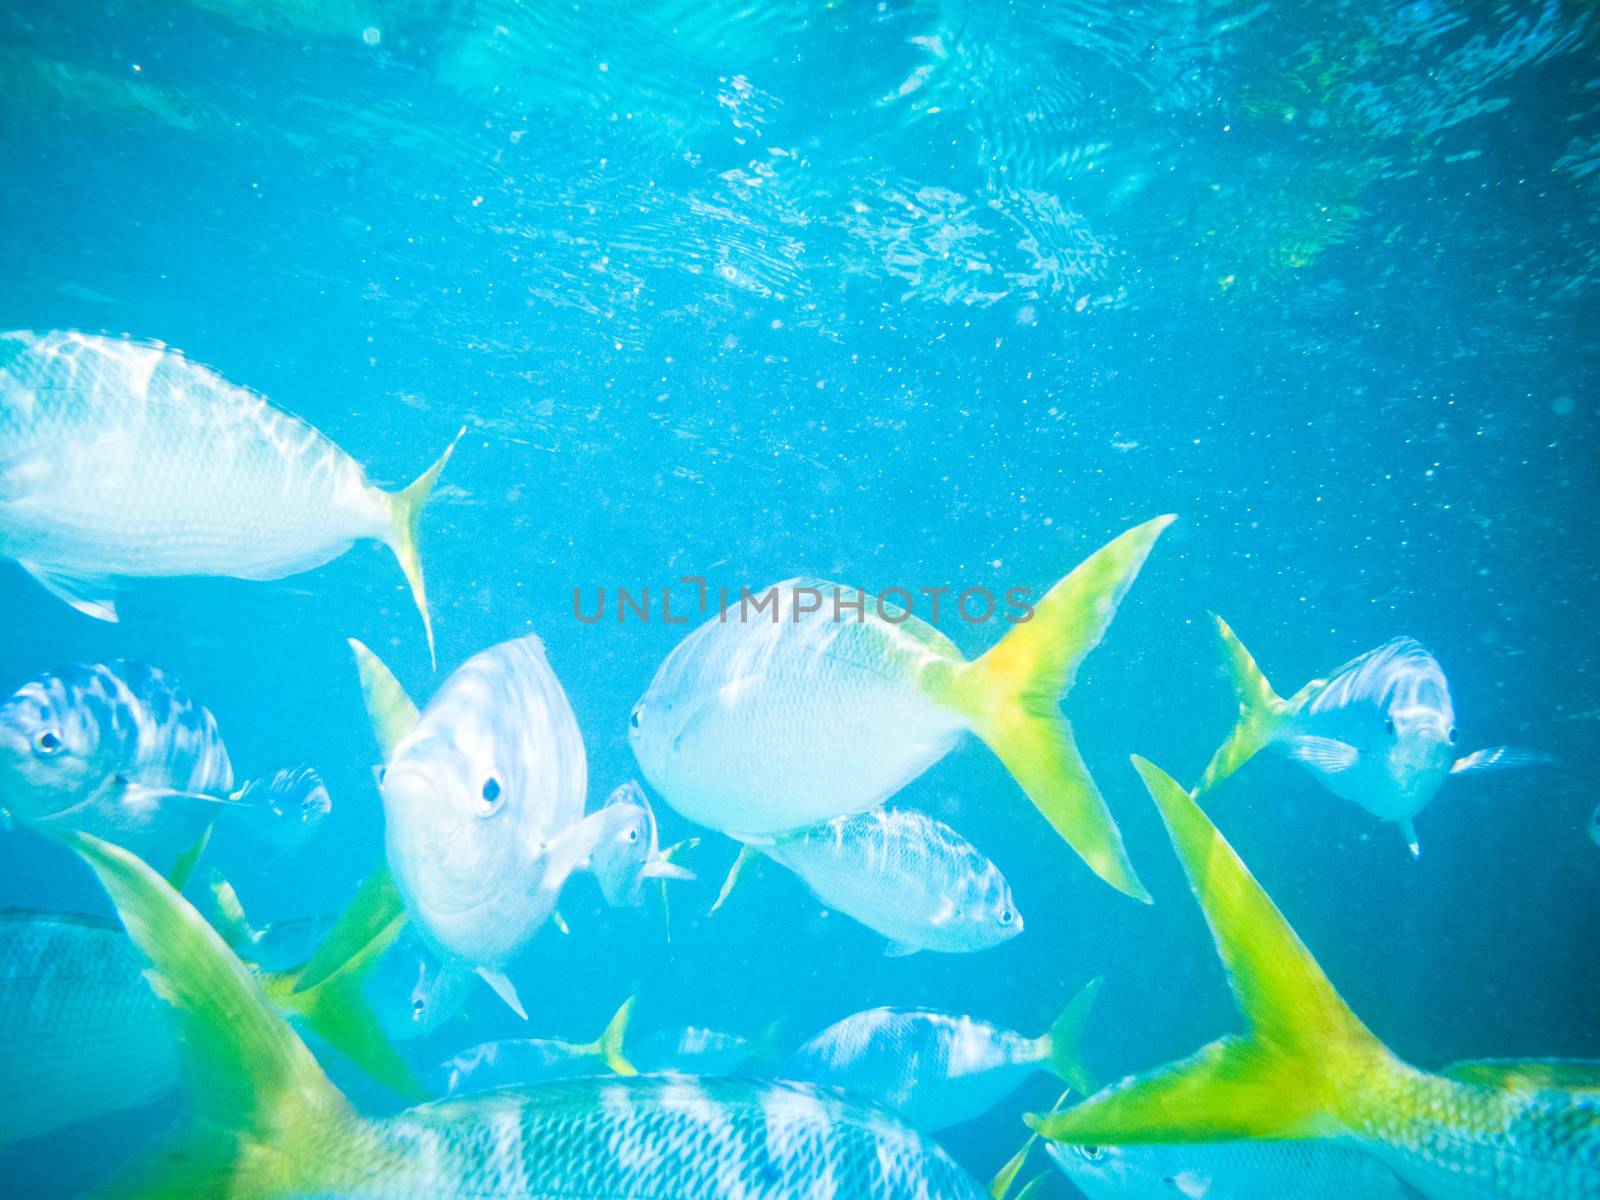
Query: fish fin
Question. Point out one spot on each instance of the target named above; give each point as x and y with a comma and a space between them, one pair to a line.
1065, 1040
1328, 755
293, 801
390, 710
1007, 1175
1306, 1064
1261, 711
1034, 1188
662, 869
183, 869
1528, 1074
1011, 698
375, 912
1191, 1184
229, 919
1502, 758
405, 511
560, 922
747, 854
1408, 830
256, 1093
503, 987
900, 950
89, 594
610, 1042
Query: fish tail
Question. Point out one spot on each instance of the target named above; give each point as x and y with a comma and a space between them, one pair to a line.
405, 511
611, 1038
747, 855
1064, 1040
1011, 697
258, 1099
1261, 711
1306, 1064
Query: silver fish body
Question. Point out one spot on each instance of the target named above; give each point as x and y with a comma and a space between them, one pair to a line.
905, 875
515, 1062
629, 854
482, 802
932, 1068
81, 1033
121, 751
694, 1050
1288, 1170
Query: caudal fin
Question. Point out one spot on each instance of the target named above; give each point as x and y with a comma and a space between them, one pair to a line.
609, 1043
1064, 1040
405, 511
1261, 711
257, 1097
1012, 697
1301, 1069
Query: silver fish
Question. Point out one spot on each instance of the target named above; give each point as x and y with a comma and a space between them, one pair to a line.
936, 1069
121, 751
631, 854
696, 1050
1380, 730
901, 873
268, 1124
517, 1062
81, 1033
1229, 1171
122, 459
483, 796
413, 992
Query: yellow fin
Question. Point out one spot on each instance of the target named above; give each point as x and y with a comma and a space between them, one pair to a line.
1011, 696
405, 511
390, 710
1261, 711
1065, 1039
1286, 1076
611, 1038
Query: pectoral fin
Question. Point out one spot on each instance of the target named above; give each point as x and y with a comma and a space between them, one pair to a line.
662, 869
89, 594
1322, 754
1501, 758
1409, 832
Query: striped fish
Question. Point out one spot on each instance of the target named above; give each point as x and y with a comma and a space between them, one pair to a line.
121, 458
119, 750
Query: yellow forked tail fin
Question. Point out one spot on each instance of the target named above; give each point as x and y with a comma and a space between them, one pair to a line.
609, 1044
1290, 1075
1012, 698
1261, 711
405, 511
256, 1093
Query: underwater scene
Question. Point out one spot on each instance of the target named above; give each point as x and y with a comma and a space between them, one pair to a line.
904, 600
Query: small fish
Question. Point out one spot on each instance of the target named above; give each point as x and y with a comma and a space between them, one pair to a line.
696, 1050
122, 459
1229, 1171
517, 1062
902, 874
826, 702
267, 1123
938, 1070
413, 992
121, 751
483, 795
1380, 730
1307, 1068
632, 854
81, 1033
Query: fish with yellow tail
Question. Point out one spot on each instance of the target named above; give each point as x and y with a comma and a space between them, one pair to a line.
267, 1124
1307, 1068
122, 459
1380, 730
764, 722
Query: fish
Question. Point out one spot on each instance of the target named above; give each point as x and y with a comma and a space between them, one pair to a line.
632, 855
267, 1123
781, 717
483, 797
123, 459
1307, 1068
936, 1069
514, 1062
120, 750
81, 1033
1229, 1171
902, 874
1380, 730
697, 1050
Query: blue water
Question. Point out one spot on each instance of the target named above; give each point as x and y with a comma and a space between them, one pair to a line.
908, 294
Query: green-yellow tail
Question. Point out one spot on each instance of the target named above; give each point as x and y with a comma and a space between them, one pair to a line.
1261, 711
1012, 697
265, 1120
1064, 1039
1306, 1062
405, 511
609, 1044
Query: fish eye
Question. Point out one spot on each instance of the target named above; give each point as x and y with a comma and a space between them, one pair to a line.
1007, 916
418, 1006
1451, 736
633, 835
1089, 1152
47, 741
633, 719
1388, 726
491, 795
